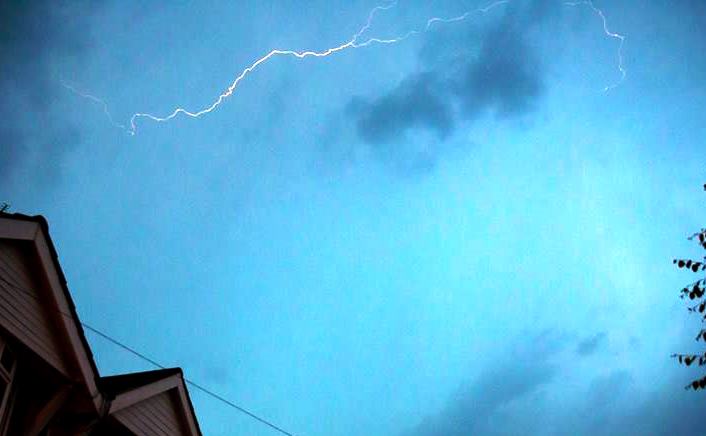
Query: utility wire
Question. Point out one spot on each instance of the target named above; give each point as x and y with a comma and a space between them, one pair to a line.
194, 384
153, 362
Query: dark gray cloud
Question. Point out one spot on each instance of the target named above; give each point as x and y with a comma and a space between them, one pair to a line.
619, 405
415, 103
605, 390
473, 408
505, 78
216, 374
668, 411
592, 344
466, 74
513, 396
32, 33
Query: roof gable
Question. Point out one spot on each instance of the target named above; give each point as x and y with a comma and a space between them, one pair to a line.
131, 398
152, 402
23, 311
42, 291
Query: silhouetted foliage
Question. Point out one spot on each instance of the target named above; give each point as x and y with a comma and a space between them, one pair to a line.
695, 292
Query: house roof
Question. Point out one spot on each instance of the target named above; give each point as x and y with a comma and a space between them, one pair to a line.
111, 387
127, 389
115, 385
44, 225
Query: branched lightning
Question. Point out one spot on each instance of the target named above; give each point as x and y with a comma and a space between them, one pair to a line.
96, 100
610, 34
356, 41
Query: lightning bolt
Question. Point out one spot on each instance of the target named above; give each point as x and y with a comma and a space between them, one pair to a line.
96, 100
610, 34
356, 41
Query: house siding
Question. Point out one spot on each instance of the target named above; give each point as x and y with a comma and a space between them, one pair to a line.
155, 416
23, 312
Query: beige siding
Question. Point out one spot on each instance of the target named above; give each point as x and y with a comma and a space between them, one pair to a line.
155, 416
22, 311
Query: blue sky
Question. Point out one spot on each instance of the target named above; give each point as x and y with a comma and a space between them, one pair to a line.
459, 233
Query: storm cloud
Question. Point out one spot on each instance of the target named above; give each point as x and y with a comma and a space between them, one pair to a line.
415, 103
474, 407
463, 77
504, 80
517, 395
32, 34
592, 344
